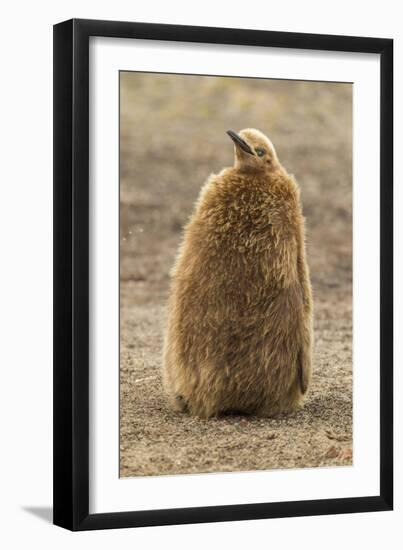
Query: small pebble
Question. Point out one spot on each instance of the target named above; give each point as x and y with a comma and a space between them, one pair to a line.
332, 452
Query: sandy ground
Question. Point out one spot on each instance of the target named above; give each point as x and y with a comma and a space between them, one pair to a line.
172, 138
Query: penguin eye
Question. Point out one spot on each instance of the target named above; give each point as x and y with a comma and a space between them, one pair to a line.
260, 152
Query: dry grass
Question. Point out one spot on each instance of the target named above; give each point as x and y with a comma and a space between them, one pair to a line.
172, 138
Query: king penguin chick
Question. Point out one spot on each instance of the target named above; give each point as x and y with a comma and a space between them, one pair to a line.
239, 333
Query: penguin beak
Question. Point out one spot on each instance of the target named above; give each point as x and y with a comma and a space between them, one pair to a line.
240, 142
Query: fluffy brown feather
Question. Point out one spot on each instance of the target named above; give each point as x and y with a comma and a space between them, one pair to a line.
239, 334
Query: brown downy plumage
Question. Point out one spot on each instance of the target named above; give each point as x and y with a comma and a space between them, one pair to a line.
239, 335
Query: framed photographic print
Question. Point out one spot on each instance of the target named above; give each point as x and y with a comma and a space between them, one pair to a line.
223, 320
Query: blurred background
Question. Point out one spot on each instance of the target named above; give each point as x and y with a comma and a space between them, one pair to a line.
172, 136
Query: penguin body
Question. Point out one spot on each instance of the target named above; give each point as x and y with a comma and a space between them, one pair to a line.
239, 333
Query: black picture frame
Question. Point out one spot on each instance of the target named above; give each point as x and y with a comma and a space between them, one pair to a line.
71, 274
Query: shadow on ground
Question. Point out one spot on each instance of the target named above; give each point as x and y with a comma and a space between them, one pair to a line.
44, 513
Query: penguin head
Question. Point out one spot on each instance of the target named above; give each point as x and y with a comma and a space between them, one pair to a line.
254, 151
